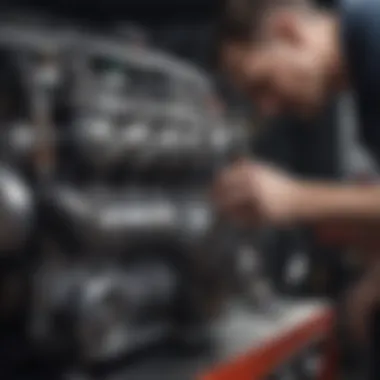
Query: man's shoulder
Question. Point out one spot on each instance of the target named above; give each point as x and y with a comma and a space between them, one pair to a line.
360, 22
361, 33
358, 14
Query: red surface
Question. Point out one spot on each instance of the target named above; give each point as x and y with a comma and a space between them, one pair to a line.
262, 361
330, 367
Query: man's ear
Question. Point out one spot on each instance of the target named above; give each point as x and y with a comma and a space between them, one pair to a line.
284, 24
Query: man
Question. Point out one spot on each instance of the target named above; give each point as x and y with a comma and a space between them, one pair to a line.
289, 56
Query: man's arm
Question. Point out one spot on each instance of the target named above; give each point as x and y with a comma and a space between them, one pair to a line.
257, 193
318, 202
344, 215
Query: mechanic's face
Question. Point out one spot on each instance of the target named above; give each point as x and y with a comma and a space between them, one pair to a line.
281, 73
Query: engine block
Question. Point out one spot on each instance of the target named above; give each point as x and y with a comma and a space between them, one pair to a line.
116, 145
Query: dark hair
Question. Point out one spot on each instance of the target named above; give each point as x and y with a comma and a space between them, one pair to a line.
239, 19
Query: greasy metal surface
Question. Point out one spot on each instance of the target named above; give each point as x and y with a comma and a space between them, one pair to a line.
238, 331
35, 36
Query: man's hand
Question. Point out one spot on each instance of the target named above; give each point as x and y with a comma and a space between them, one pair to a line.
362, 300
255, 193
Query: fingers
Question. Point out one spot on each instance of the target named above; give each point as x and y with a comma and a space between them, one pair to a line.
233, 194
233, 181
360, 304
240, 213
233, 204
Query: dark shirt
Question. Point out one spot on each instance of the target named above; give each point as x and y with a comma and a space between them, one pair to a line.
361, 45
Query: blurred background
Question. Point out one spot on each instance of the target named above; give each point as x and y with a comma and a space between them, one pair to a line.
114, 266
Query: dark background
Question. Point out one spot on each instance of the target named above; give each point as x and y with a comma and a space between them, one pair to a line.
146, 11
184, 27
